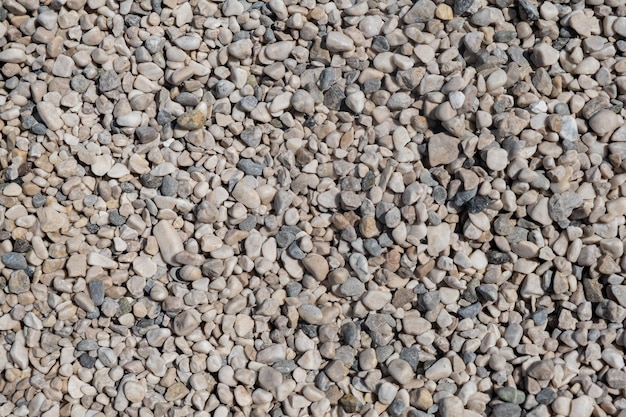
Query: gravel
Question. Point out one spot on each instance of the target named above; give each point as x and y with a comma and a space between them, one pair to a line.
251, 208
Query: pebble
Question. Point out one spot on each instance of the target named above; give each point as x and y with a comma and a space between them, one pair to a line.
338, 42
192, 120
401, 371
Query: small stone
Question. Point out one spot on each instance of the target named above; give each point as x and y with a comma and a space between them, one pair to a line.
421, 399
421, 12
546, 396
442, 149
108, 81
541, 370
19, 282
462, 6
168, 240
444, 12
185, 322
511, 395
316, 265
350, 404
440, 369
14, 260
507, 410
49, 115
582, 406
134, 391
191, 120
544, 55
451, 407
401, 371
176, 392
497, 159
146, 134
338, 42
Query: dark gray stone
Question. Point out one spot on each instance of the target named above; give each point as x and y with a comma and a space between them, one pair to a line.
284, 238
164, 117
251, 136
115, 218
487, 292
440, 194
187, 99
372, 247
511, 395
14, 260
249, 167
39, 129
470, 311
528, 11
429, 300
334, 97
150, 181
169, 186
411, 356
497, 258
96, 291
293, 289
295, 252
478, 204
546, 396
507, 410
87, 361
380, 44
540, 317
146, 134
21, 246
327, 78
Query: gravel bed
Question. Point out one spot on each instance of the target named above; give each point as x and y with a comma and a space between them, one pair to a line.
312, 208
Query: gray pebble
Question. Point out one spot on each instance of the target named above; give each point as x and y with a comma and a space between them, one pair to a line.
507, 410
96, 291
327, 78
372, 247
396, 408
39, 129
429, 300
470, 311
169, 186
251, 136
353, 287
13, 260
187, 99
87, 345
249, 167
79, 83
350, 333
411, 356
247, 104
295, 252
108, 80
115, 218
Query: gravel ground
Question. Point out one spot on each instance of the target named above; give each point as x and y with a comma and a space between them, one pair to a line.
312, 208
